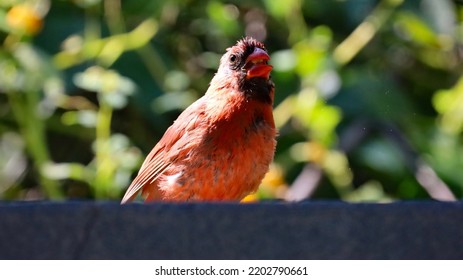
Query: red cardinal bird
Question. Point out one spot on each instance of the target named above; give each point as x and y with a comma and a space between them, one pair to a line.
221, 146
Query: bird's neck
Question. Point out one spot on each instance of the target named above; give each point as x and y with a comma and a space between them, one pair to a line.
256, 89
234, 105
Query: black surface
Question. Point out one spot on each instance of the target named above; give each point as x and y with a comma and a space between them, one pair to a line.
309, 230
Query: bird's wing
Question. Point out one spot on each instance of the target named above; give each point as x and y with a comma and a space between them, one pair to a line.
152, 168
175, 141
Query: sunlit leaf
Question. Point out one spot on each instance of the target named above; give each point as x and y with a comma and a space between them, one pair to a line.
415, 29
449, 103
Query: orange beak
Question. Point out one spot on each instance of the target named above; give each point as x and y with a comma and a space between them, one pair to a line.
257, 64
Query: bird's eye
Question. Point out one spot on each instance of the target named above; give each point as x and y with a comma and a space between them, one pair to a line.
232, 58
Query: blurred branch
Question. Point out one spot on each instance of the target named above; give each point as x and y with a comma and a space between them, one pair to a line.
153, 62
24, 107
353, 135
358, 39
104, 166
114, 16
295, 19
424, 174
305, 183
108, 50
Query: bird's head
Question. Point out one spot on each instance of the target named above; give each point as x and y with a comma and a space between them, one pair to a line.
248, 58
245, 66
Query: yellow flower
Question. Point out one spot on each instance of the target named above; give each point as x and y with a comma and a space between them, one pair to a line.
24, 19
250, 198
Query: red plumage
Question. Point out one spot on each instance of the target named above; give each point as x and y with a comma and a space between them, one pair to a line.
221, 146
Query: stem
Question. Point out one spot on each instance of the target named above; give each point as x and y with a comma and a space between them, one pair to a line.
104, 165
32, 128
113, 15
295, 19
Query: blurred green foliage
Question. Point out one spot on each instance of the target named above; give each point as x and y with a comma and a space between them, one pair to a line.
369, 94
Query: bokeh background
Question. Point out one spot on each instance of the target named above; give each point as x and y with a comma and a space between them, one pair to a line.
369, 94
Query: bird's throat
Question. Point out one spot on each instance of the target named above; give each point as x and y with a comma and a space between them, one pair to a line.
258, 89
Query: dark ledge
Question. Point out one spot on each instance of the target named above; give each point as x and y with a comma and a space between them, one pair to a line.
309, 230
